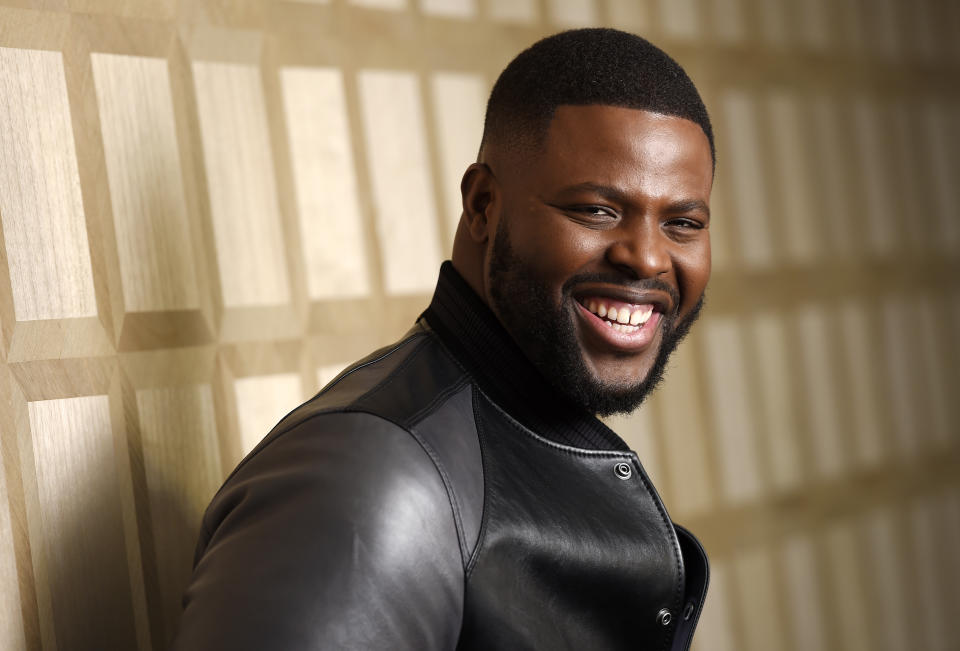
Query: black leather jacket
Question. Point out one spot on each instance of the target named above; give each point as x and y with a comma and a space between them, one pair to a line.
438, 495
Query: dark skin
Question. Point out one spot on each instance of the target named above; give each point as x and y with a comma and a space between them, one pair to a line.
613, 209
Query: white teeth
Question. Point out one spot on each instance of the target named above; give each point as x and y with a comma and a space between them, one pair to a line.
612, 314
601, 310
609, 325
623, 316
592, 306
640, 317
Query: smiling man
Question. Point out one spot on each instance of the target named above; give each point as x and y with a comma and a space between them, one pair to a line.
456, 490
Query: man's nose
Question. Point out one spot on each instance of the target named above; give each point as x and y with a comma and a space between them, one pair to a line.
642, 252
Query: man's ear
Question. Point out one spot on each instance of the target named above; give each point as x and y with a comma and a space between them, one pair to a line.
479, 191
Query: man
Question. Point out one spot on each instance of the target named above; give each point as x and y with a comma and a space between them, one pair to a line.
456, 490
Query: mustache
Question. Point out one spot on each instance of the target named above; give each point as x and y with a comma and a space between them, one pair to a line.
643, 284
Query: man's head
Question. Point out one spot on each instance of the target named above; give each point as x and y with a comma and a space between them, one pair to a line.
590, 201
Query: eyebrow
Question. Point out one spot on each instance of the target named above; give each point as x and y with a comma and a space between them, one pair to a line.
614, 194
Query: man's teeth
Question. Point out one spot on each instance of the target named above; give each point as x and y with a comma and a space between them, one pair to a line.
622, 320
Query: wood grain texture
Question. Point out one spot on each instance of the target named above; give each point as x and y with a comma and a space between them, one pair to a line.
739, 112
732, 418
573, 13
262, 401
182, 466
331, 224
12, 635
458, 106
406, 212
686, 461
513, 11
146, 184
40, 203
79, 515
242, 188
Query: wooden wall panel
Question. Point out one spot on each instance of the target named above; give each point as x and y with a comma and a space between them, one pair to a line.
183, 471
44, 230
733, 419
210, 208
11, 616
146, 184
403, 193
330, 219
242, 188
81, 551
739, 114
459, 102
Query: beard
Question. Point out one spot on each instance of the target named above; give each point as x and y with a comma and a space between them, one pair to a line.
549, 340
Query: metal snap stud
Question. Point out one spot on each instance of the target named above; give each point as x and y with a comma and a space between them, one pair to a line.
664, 617
623, 470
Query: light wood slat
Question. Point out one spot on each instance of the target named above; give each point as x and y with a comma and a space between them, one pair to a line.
832, 178
686, 459
680, 19
182, 467
903, 374
393, 5
758, 600
449, 8
845, 574
926, 531
146, 185
768, 337
727, 20
331, 222
891, 606
864, 403
869, 136
794, 209
82, 545
240, 178
458, 104
513, 11
806, 621
739, 114
40, 203
406, 214
572, 13
12, 635
944, 169
262, 401
732, 417
820, 377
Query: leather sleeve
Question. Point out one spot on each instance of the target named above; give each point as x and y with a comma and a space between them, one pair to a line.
337, 534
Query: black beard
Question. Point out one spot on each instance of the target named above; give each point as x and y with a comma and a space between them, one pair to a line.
549, 341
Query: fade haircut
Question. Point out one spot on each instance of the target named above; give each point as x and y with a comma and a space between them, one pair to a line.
586, 66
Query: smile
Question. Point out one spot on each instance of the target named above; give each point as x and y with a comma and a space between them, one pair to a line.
621, 317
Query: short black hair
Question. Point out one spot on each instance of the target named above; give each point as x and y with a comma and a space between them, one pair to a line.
587, 66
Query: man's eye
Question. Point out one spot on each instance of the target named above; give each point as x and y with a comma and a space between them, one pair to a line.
685, 223
594, 213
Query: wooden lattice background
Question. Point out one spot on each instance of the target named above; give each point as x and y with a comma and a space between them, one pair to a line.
209, 207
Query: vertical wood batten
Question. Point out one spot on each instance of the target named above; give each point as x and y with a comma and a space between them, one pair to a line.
44, 230
80, 523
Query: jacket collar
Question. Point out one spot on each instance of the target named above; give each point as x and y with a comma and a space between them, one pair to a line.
472, 333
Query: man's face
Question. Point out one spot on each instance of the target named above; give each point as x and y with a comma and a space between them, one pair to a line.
602, 253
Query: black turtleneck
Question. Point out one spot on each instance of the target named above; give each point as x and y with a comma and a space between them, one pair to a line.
472, 333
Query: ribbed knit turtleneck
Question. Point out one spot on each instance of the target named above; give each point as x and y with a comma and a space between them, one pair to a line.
472, 333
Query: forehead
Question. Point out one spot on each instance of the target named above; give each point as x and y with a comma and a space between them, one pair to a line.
588, 143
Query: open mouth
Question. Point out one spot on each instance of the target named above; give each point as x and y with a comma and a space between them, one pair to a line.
621, 317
